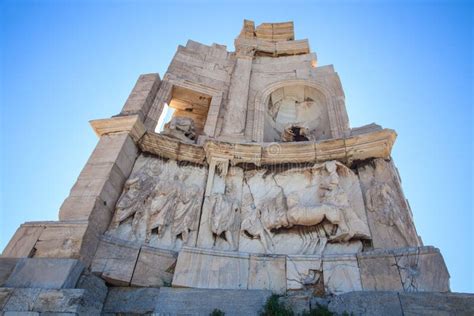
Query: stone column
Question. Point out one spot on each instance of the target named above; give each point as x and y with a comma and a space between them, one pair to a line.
215, 184
142, 96
236, 109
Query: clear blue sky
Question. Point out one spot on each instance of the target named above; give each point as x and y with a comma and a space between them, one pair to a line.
404, 65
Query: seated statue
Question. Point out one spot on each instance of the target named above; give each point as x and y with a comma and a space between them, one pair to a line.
181, 128
295, 133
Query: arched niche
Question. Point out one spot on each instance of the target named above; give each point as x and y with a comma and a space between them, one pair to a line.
303, 103
296, 113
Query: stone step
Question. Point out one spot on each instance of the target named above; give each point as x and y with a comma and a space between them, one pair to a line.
184, 301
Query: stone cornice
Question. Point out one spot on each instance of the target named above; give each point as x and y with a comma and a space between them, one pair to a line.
128, 123
376, 144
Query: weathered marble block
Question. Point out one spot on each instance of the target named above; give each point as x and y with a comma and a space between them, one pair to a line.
173, 301
341, 274
439, 304
422, 269
303, 271
367, 304
154, 268
21, 299
388, 212
60, 240
6, 268
131, 301
267, 272
5, 294
202, 268
23, 242
45, 273
115, 261
378, 271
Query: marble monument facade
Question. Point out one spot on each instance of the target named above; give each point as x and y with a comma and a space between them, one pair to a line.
256, 181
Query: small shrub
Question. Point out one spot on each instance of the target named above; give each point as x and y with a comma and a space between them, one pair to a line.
318, 311
217, 312
273, 307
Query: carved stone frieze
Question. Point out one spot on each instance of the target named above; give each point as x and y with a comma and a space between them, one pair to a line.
160, 204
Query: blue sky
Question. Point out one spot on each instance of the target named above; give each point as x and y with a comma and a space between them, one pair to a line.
404, 65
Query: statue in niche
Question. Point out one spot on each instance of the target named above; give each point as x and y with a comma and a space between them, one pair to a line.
186, 216
225, 219
181, 128
295, 133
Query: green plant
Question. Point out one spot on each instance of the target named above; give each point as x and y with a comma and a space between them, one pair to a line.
273, 307
318, 311
217, 312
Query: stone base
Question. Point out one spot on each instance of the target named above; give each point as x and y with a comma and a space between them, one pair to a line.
414, 269
394, 303
86, 299
173, 301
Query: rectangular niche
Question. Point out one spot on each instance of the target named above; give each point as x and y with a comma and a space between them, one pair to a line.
190, 104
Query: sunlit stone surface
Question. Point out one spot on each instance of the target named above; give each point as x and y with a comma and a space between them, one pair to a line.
251, 180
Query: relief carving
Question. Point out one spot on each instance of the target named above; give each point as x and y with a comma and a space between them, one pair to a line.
225, 218
160, 204
321, 214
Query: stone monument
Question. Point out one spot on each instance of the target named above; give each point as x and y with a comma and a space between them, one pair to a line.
256, 182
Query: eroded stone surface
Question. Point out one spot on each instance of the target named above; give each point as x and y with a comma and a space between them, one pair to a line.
21, 300
23, 242
160, 204
367, 303
45, 273
115, 261
303, 272
379, 272
389, 215
131, 300
172, 301
154, 268
341, 274
422, 269
267, 273
6, 268
439, 304
210, 269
